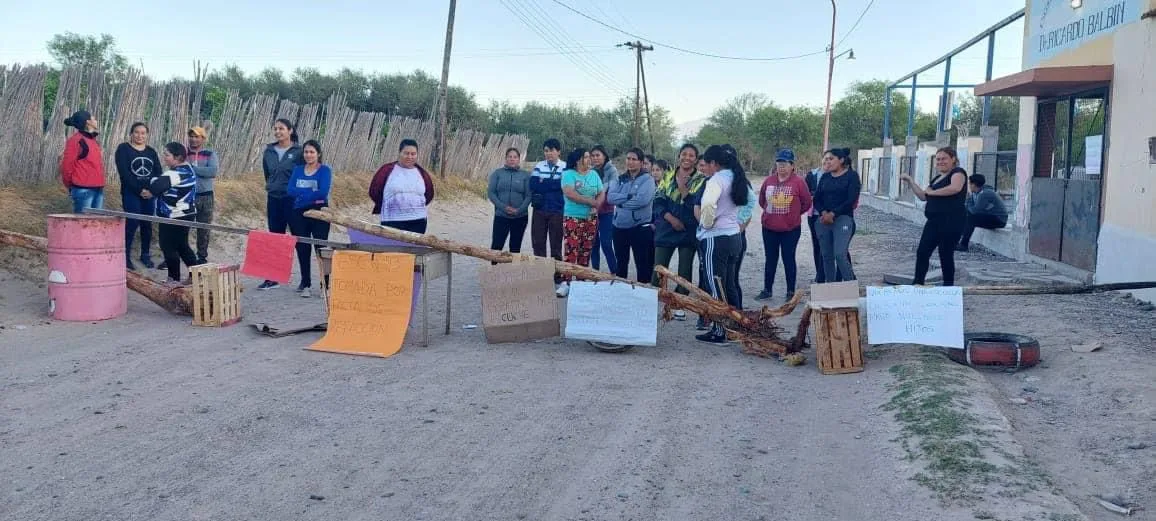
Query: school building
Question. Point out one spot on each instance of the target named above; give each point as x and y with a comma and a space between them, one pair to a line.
1082, 183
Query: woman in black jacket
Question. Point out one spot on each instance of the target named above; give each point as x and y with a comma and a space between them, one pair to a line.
280, 158
946, 214
137, 164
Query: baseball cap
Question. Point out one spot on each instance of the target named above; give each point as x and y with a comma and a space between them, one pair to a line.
785, 155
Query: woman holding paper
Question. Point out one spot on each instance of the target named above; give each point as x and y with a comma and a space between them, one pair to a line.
309, 187
583, 192
946, 213
725, 192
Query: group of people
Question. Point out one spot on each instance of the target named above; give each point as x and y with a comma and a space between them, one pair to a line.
176, 184
582, 209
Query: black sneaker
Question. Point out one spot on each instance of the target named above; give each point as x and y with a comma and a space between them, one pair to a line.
147, 263
163, 265
202, 260
702, 324
128, 265
268, 285
764, 295
711, 338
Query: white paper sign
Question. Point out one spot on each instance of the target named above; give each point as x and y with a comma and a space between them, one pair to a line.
1093, 154
913, 315
613, 313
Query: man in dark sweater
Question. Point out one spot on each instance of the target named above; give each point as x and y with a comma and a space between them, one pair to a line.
985, 209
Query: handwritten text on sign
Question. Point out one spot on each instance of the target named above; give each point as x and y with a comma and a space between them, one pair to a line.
369, 307
612, 313
914, 315
518, 302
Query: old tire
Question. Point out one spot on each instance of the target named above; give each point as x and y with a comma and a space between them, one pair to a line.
997, 351
609, 348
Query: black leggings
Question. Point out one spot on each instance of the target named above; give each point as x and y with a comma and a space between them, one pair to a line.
303, 226
640, 241
940, 232
174, 242
514, 228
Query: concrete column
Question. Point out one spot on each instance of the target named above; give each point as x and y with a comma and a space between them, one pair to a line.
1025, 160
990, 137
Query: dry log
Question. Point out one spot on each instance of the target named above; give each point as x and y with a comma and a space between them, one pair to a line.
752, 328
177, 300
779, 312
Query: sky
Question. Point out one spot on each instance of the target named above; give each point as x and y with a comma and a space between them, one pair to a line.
524, 50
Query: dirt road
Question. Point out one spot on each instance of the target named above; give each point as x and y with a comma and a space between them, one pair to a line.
146, 417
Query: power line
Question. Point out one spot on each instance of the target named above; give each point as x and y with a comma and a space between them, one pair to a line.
856, 24
555, 29
569, 54
681, 49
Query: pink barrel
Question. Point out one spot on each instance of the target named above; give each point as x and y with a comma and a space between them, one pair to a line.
86, 267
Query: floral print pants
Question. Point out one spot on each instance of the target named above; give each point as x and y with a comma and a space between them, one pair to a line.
579, 236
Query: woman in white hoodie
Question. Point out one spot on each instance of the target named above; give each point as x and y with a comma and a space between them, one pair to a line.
720, 243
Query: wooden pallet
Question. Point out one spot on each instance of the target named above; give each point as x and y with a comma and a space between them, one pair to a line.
216, 295
838, 345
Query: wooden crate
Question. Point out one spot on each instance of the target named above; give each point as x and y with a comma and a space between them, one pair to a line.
838, 345
216, 295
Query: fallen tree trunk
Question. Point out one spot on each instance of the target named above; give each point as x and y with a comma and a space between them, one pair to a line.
754, 329
176, 300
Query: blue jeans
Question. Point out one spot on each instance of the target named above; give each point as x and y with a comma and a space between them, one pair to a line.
135, 204
86, 198
604, 242
835, 243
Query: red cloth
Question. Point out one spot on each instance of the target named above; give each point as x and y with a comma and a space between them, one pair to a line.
81, 165
784, 203
377, 185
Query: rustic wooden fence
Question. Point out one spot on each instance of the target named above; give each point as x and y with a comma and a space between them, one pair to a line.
32, 135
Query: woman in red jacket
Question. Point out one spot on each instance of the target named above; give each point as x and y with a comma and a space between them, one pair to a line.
784, 198
82, 164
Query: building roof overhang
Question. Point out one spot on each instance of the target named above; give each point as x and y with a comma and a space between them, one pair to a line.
1046, 82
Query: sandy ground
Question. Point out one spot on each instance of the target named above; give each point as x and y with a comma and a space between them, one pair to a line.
147, 417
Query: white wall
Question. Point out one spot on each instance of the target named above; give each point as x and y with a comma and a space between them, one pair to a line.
1127, 244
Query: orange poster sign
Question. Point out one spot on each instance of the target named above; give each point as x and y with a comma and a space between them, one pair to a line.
369, 303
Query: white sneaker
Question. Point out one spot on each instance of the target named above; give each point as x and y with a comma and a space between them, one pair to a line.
306, 293
563, 290
679, 314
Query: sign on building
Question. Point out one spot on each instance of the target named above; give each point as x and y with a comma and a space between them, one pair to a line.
1054, 26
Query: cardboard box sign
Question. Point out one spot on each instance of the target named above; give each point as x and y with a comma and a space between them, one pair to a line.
518, 301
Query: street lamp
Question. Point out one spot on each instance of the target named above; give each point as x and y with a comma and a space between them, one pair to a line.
831, 57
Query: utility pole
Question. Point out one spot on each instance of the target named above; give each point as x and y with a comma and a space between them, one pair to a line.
441, 102
639, 79
830, 77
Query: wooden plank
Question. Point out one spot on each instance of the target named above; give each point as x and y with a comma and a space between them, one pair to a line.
822, 343
855, 342
842, 358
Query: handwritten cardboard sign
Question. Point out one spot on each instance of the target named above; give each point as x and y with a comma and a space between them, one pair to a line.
915, 315
369, 303
269, 256
613, 313
518, 302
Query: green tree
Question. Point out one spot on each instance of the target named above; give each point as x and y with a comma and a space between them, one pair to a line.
1005, 114
857, 118
71, 49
